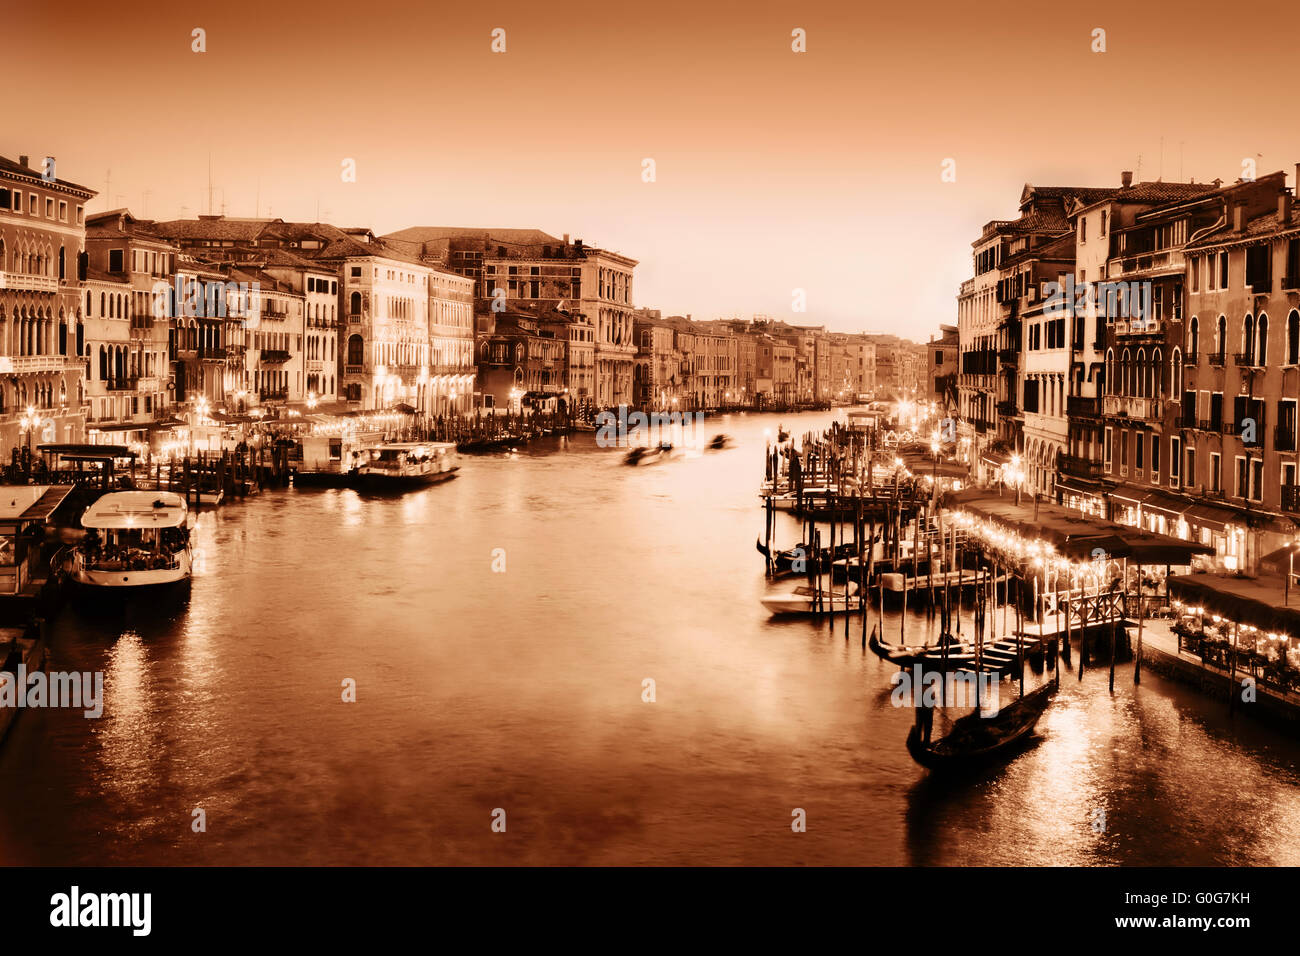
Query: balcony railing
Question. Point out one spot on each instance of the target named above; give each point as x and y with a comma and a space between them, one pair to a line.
216, 352
127, 384
1245, 360
1008, 356
1291, 282
1262, 286
354, 369
1191, 358
272, 394
275, 356
1284, 438
25, 283
1291, 498
1129, 406
1007, 408
1080, 467
1216, 358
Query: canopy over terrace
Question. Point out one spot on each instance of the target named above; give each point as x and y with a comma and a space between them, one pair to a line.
1253, 601
1072, 534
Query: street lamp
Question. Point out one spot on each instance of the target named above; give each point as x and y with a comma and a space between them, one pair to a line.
27, 424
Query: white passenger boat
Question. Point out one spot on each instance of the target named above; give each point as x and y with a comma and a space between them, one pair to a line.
134, 539
803, 600
397, 466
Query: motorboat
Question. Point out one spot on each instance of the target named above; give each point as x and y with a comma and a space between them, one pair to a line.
808, 600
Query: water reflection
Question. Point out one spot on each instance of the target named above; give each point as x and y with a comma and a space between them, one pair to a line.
523, 689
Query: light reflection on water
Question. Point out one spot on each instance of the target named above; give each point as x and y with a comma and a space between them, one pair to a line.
522, 690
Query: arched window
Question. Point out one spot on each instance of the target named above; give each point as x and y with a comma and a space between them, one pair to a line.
1221, 337
1248, 337
1193, 335
1176, 374
1156, 373
356, 350
1261, 341
1293, 338
1142, 375
355, 303
1126, 373
1110, 372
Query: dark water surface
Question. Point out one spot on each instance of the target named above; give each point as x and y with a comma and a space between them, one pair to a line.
522, 690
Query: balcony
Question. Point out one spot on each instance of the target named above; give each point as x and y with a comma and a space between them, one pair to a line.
1007, 409
1216, 358
1284, 438
1191, 358
354, 370
1080, 467
1168, 261
25, 283
1009, 356
274, 356
127, 384
1080, 406
19, 364
1245, 360
1262, 286
215, 353
1129, 406
1291, 498
278, 314
1290, 283
272, 394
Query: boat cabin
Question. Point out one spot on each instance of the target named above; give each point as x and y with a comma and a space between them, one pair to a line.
135, 531
24, 512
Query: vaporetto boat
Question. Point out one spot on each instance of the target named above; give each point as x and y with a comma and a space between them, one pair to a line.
397, 466
134, 539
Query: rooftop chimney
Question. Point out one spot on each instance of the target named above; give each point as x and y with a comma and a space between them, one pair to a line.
1284, 206
1126, 178
1239, 216
566, 238
22, 161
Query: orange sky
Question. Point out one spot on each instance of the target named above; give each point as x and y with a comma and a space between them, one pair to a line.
775, 170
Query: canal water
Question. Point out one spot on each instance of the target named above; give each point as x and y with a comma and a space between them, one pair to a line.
522, 689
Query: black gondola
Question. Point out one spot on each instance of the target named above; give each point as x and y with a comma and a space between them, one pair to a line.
973, 741
783, 562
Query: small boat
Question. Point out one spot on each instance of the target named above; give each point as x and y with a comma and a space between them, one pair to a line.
905, 655
134, 539
649, 456
974, 740
787, 561
719, 442
803, 600
398, 466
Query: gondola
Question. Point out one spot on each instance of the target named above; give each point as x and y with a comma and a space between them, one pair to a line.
783, 562
974, 741
905, 655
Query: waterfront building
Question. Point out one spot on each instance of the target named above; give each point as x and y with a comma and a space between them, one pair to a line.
941, 370
42, 241
134, 268
314, 365
516, 267
1093, 305
989, 323
657, 376
1038, 407
775, 371
523, 361
1240, 374
205, 365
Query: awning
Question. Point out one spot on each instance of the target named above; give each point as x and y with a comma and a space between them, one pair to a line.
1083, 486
1244, 600
1203, 514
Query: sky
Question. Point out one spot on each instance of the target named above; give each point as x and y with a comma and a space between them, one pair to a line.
774, 171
